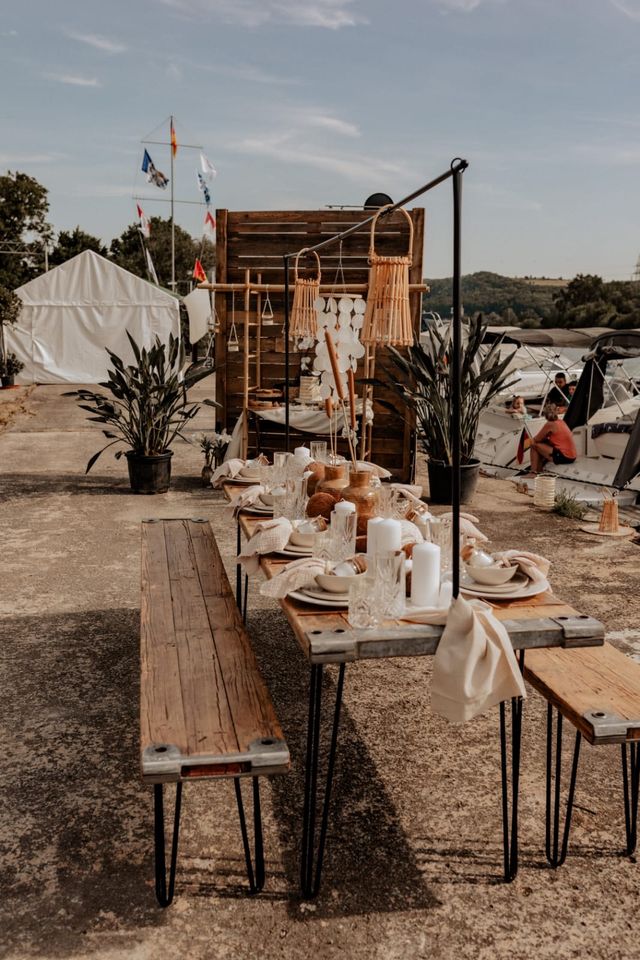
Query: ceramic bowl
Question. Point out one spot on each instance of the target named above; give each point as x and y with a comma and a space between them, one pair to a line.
491, 576
266, 498
335, 584
250, 473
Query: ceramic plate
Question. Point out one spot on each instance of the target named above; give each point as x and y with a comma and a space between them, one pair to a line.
319, 594
258, 511
305, 598
531, 589
243, 480
291, 551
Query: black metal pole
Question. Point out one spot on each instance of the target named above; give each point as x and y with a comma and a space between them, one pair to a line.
286, 351
455, 375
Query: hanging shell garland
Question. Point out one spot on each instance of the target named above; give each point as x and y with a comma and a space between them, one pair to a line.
387, 319
343, 320
305, 292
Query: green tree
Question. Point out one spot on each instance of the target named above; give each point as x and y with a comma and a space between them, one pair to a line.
127, 251
72, 242
585, 288
24, 229
9, 312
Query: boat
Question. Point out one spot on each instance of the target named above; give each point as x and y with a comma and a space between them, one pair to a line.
603, 415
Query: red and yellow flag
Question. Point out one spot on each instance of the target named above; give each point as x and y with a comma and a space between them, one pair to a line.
198, 272
174, 140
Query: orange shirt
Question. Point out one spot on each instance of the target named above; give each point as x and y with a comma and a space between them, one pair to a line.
558, 434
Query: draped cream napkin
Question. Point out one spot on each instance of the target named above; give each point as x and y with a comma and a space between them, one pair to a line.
294, 575
410, 533
535, 566
412, 491
227, 471
245, 498
467, 521
377, 471
475, 666
268, 536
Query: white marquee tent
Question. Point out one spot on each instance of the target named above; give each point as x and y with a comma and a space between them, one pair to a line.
70, 314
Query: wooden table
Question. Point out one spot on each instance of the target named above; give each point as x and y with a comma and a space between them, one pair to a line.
326, 637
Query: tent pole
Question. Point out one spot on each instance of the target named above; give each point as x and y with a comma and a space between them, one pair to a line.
455, 381
173, 225
286, 351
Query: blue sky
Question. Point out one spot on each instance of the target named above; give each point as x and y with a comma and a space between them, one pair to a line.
301, 103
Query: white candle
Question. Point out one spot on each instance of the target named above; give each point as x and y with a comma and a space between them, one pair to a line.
388, 536
425, 575
344, 507
372, 527
446, 595
302, 452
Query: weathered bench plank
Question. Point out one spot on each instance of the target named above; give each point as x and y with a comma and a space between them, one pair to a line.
588, 681
205, 710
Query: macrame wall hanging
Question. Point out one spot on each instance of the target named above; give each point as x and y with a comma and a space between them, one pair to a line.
387, 319
233, 345
305, 292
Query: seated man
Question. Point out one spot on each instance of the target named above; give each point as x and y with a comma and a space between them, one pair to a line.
559, 395
553, 442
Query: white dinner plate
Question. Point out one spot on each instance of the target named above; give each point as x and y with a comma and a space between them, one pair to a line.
292, 551
319, 594
531, 589
243, 480
305, 598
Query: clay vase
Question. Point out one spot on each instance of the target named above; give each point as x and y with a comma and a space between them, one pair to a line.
317, 474
334, 480
364, 496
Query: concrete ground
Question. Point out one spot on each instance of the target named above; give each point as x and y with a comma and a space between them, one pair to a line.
413, 860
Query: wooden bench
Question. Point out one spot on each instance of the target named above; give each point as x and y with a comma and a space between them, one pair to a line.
205, 711
598, 690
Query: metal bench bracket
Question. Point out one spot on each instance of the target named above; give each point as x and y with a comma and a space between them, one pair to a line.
580, 631
608, 726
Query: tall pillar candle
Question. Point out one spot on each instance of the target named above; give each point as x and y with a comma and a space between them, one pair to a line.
425, 575
343, 507
372, 528
388, 536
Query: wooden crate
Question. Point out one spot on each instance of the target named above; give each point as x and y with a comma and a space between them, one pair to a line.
257, 240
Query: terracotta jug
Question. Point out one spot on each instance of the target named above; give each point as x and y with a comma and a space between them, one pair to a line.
365, 497
334, 480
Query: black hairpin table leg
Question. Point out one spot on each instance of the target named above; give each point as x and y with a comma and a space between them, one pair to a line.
238, 567
255, 867
557, 853
310, 878
510, 824
630, 779
164, 895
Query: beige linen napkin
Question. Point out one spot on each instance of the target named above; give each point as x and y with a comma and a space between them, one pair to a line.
294, 575
475, 666
412, 491
227, 471
467, 521
377, 471
245, 498
268, 537
535, 566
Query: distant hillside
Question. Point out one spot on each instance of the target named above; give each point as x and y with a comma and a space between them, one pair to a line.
585, 301
509, 300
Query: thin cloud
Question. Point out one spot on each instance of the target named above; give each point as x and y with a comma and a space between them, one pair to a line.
286, 150
8, 33
464, 6
20, 158
246, 72
334, 124
98, 42
630, 8
327, 14
73, 80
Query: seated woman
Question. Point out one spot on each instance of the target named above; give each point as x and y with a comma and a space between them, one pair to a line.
553, 442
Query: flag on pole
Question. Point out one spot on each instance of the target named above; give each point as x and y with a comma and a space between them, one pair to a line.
202, 184
153, 175
208, 169
209, 224
145, 226
174, 141
198, 272
151, 268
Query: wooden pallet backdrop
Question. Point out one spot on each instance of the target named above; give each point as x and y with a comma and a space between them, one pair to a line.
257, 240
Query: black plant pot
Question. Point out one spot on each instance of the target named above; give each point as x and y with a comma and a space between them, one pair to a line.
8, 381
441, 479
149, 474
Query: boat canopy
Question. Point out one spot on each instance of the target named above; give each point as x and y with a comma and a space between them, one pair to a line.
554, 337
589, 394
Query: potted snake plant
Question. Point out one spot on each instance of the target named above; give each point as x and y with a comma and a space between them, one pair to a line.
423, 381
147, 408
